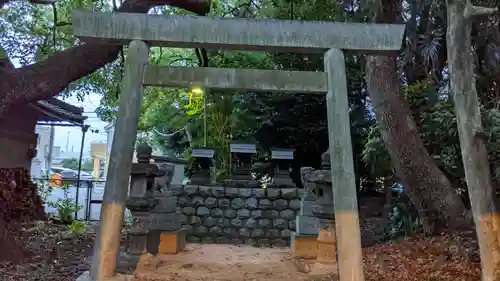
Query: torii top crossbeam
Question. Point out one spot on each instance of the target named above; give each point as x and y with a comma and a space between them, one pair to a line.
236, 33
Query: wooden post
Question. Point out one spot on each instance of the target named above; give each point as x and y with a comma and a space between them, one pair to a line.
470, 131
120, 163
350, 260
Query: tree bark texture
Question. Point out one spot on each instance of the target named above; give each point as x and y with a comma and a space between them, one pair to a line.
474, 154
50, 77
426, 185
19, 201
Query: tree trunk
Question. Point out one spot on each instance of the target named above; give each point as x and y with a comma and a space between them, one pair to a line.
425, 184
48, 78
474, 154
19, 201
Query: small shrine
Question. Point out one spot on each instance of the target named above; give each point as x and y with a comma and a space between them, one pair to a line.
202, 165
241, 160
281, 159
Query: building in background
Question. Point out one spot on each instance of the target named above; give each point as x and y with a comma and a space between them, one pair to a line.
98, 150
39, 163
58, 156
19, 140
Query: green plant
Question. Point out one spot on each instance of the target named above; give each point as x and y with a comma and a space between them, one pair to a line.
76, 227
221, 174
402, 219
66, 207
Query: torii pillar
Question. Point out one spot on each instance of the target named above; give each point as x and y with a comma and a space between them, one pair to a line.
106, 248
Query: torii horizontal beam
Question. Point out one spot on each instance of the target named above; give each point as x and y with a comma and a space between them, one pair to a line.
237, 33
256, 80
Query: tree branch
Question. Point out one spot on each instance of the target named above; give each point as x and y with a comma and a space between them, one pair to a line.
48, 78
472, 11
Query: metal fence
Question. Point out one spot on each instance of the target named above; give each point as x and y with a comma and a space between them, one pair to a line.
86, 193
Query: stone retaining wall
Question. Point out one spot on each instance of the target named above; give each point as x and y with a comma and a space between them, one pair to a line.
236, 215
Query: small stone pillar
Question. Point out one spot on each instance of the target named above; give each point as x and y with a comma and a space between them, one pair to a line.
304, 240
281, 158
140, 202
202, 166
327, 248
166, 228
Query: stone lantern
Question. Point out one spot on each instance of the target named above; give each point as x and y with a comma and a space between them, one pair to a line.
140, 202
323, 209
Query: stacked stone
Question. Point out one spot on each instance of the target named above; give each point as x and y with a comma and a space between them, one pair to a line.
324, 210
228, 215
307, 223
165, 218
140, 202
304, 240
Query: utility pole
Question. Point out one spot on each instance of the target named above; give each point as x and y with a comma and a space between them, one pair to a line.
67, 142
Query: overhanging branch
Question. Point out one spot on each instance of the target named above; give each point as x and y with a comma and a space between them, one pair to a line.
472, 11
50, 77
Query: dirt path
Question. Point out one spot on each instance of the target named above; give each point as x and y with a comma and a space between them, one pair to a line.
228, 263
417, 259
59, 256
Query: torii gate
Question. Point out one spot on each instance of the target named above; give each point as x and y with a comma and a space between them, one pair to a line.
236, 34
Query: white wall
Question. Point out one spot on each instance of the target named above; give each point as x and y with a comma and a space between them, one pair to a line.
36, 168
42, 147
178, 176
